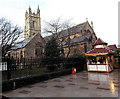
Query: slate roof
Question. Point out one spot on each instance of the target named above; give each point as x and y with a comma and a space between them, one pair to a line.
98, 50
22, 43
72, 30
78, 39
99, 42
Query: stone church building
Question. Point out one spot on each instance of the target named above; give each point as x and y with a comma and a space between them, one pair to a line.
80, 37
33, 43
77, 39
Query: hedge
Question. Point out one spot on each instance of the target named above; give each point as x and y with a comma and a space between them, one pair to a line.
9, 85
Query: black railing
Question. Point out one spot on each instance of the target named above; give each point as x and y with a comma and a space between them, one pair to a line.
21, 72
17, 83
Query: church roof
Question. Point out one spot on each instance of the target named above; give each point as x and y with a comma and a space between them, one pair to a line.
75, 29
22, 43
99, 42
78, 39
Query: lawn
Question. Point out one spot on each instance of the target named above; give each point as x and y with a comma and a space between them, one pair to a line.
26, 72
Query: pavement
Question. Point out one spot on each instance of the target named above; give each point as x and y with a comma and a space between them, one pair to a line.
83, 84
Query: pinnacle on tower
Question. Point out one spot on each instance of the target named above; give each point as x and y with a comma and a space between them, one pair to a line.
38, 10
26, 12
30, 10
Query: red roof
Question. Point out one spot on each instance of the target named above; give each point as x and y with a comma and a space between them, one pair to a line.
112, 46
99, 42
98, 50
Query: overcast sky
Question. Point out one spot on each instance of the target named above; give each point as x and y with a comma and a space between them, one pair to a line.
103, 13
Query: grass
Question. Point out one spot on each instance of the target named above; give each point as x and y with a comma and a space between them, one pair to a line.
27, 72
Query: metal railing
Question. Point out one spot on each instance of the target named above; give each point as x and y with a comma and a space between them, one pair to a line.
21, 72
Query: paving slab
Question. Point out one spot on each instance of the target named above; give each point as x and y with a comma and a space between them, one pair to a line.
83, 84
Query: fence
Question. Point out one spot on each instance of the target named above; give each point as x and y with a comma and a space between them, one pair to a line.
21, 72
21, 68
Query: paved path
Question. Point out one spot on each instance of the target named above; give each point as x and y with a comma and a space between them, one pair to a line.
83, 84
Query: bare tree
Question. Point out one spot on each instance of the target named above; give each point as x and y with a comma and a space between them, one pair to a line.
53, 27
9, 34
57, 28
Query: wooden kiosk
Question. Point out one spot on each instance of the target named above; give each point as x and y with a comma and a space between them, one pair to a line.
100, 59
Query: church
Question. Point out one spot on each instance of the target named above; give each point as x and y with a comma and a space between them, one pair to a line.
81, 38
77, 39
33, 44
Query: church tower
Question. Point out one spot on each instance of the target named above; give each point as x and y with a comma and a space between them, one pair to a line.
32, 23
